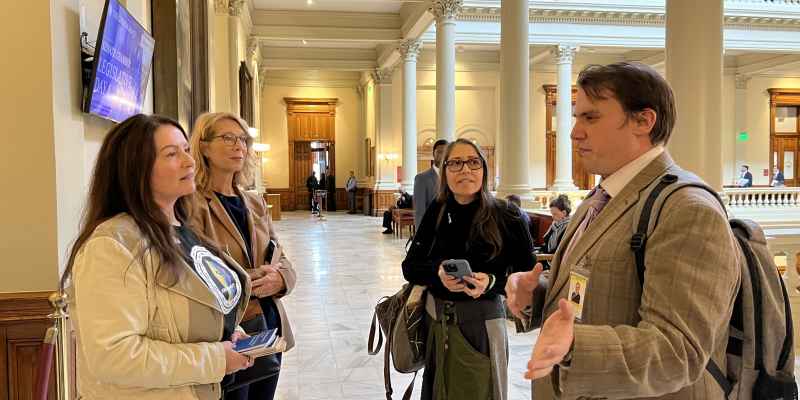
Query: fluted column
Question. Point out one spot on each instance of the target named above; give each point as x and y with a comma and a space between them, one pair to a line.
515, 98
565, 55
694, 70
410, 50
446, 12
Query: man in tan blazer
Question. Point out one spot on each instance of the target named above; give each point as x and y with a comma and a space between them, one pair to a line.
632, 341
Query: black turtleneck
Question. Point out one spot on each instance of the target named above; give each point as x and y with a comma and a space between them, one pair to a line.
451, 239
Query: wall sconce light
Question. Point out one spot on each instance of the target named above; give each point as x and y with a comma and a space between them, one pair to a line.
253, 132
388, 156
261, 147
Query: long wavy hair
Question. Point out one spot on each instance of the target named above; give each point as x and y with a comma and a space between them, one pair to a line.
485, 225
121, 184
203, 132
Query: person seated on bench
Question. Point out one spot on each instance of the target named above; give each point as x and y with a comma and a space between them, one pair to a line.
404, 202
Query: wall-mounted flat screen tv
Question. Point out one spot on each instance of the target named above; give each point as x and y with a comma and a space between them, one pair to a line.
122, 61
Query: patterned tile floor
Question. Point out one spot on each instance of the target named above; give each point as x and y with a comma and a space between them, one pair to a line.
344, 265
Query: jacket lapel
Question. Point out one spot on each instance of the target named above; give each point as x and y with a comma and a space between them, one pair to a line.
613, 211
191, 286
218, 210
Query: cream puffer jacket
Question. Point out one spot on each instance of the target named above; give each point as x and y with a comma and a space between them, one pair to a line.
138, 338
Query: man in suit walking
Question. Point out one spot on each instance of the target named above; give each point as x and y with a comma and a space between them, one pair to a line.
632, 339
426, 184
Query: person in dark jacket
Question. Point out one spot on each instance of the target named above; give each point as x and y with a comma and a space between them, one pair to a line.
404, 202
467, 348
311, 185
330, 186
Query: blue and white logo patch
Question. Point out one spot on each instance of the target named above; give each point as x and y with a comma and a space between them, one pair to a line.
221, 280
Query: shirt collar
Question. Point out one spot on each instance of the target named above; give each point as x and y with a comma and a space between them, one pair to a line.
436, 169
617, 181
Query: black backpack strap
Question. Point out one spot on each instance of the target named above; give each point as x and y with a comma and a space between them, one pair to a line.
639, 243
639, 239
788, 341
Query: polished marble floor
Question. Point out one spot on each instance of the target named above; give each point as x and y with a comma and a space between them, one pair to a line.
344, 265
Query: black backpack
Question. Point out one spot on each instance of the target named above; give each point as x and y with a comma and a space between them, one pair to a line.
755, 371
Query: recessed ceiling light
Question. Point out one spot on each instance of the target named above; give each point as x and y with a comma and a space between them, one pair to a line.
310, 2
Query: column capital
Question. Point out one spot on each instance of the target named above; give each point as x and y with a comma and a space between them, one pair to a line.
252, 48
742, 81
221, 7
446, 9
382, 76
410, 49
235, 7
565, 53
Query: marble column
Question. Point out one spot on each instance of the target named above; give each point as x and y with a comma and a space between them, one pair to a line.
565, 55
694, 70
515, 99
384, 129
409, 49
446, 12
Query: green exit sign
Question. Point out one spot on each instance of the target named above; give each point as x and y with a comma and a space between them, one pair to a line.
743, 136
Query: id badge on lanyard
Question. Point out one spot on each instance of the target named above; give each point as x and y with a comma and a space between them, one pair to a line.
578, 282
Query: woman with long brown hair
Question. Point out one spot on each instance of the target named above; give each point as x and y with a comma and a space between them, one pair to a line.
238, 221
467, 348
155, 306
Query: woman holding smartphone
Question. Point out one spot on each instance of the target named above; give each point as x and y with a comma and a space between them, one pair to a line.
154, 305
467, 348
239, 223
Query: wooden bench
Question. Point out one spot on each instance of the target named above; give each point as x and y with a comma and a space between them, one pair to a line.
403, 218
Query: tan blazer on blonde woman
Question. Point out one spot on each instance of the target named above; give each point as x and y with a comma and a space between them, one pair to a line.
138, 338
211, 218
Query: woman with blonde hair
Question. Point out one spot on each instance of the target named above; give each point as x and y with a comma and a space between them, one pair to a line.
239, 223
153, 304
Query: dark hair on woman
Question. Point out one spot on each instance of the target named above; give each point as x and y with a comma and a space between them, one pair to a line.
121, 184
562, 203
485, 226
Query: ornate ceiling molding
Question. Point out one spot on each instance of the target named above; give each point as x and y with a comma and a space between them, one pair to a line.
624, 18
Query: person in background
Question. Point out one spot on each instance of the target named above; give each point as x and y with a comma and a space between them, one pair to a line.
426, 183
405, 201
560, 209
745, 177
239, 222
517, 202
311, 185
154, 305
467, 354
777, 178
331, 188
351, 187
